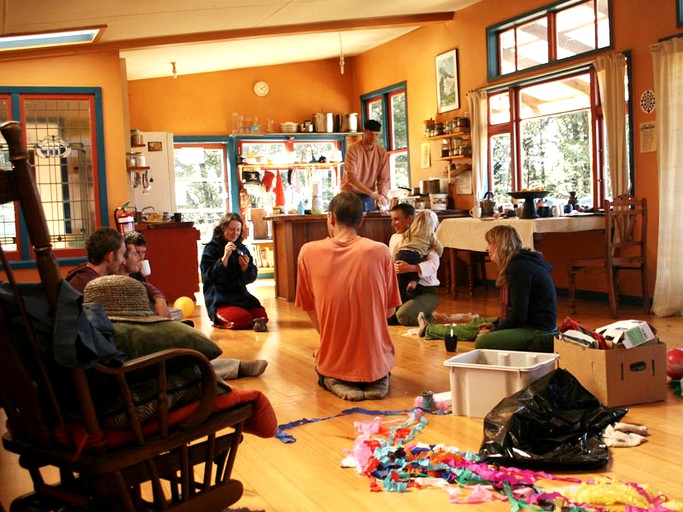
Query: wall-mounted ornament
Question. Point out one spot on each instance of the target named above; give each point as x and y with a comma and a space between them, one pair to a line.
647, 101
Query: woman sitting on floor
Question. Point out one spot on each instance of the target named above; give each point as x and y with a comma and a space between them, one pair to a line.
528, 300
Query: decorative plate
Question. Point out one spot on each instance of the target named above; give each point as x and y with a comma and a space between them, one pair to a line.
647, 101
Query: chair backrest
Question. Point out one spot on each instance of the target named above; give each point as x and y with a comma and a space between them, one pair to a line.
27, 389
626, 228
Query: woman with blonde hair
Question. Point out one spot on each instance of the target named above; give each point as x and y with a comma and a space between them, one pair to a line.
528, 301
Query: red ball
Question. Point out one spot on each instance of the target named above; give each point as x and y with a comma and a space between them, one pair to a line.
674, 363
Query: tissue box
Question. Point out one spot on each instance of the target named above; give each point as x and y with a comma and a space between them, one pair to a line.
617, 377
630, 333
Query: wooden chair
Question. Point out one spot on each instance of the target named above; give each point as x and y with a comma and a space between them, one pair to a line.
625, 249
179, 459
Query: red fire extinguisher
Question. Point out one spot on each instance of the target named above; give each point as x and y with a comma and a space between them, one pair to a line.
124, 218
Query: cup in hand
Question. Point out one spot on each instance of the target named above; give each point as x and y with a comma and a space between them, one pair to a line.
475, 212
145, 269
451, 342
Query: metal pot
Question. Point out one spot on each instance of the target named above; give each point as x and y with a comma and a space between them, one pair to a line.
324, 122
347, 122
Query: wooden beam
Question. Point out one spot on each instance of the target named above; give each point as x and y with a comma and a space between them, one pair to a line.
241, 33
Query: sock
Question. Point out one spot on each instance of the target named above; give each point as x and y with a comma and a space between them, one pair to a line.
252, 368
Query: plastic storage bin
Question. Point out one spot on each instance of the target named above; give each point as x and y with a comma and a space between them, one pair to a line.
482, 378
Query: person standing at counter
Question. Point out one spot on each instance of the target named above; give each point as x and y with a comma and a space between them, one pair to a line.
347, 286
227, 268
427, 300
367, 168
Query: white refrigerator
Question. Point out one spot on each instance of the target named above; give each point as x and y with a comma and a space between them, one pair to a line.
160, 193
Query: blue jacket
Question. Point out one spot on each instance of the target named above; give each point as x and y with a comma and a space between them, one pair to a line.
226, 286
532, 300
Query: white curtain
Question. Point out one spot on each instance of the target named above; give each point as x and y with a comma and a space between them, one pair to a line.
611, 71
478, 133
667, 60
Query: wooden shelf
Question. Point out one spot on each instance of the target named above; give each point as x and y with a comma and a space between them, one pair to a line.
138, 145
456, 157
449, 136
137, 169
290, 166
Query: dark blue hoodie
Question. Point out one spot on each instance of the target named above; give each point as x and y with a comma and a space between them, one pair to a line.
226, 286
532, 300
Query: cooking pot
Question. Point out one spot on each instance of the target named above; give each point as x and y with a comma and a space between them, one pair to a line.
347, 122
324, 122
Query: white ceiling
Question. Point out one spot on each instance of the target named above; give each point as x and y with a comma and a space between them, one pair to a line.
212, 35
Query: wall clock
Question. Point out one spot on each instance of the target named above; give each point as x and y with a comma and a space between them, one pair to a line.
261, 88
647, 101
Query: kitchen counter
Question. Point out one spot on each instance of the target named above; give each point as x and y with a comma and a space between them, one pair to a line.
290, 232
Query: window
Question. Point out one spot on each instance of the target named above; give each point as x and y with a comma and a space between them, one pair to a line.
560, 31
279, 156
200, 185
549, 134
389, 107
60, 129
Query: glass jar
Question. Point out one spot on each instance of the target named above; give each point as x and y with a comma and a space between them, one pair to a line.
136, 138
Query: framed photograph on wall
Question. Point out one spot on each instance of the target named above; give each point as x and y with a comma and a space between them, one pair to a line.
447, 91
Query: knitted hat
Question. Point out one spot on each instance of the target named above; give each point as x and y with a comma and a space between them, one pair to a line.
372, 125
123, 298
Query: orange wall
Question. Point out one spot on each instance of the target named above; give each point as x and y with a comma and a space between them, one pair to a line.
203, 104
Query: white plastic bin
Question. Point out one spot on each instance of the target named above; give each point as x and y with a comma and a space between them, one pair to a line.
482, 378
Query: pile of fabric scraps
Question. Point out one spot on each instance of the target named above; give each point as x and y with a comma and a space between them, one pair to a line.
383, 453
624, 434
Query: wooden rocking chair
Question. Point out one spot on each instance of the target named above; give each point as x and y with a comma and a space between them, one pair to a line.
179, 459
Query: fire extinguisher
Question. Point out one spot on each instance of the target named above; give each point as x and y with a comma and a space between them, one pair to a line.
124, 218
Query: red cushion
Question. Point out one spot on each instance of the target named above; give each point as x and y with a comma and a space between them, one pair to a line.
262, 423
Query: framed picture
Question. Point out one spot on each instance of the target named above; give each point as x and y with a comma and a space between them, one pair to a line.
154, 146
447, 93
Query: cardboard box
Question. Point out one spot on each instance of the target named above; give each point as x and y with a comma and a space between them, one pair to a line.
482, 378
618, 376
630, 333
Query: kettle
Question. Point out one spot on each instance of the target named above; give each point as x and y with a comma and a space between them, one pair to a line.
488, 205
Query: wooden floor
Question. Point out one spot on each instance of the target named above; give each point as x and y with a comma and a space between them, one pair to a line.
306, 475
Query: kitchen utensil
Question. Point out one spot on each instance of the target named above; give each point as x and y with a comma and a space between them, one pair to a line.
288, 127
529, 211
347, 122
475, 212
488, 205
324, 122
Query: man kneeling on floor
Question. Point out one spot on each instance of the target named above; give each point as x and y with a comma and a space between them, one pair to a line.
347, 285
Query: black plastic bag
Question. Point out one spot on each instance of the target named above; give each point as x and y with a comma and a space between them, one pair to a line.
552, 423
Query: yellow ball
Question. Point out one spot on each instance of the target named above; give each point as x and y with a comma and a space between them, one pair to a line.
186, 305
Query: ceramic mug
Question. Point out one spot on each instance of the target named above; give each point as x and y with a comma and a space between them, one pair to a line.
475, 212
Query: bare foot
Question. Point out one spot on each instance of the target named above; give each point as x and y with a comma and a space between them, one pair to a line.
423, 323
